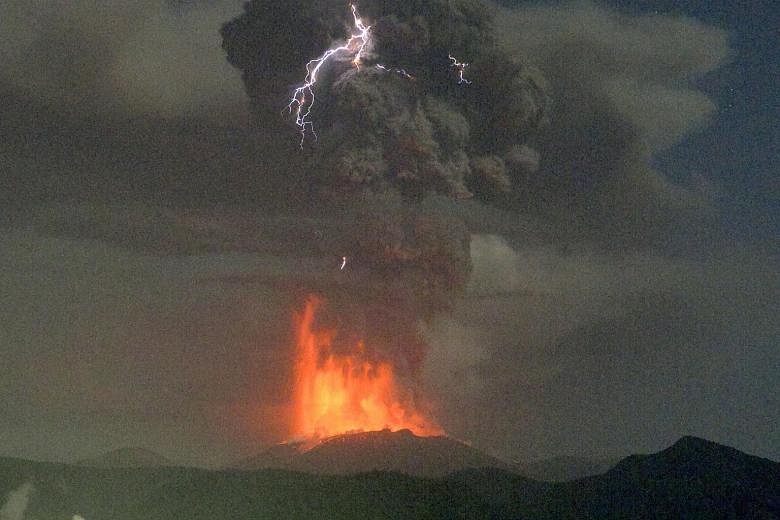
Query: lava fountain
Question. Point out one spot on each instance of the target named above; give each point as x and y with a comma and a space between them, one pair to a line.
338, 393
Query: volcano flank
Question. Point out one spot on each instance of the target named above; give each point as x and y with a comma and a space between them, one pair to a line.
400, 452
692, 479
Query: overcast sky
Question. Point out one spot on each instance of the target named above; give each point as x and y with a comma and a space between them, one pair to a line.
150, 260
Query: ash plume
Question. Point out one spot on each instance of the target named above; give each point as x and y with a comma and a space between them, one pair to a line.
404, 264
416, 133
396, 128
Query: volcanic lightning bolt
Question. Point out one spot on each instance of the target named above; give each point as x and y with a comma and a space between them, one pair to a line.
357, 46
460, 68
401, 72
303, 98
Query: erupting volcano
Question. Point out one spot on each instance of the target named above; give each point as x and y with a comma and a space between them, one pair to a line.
338, 393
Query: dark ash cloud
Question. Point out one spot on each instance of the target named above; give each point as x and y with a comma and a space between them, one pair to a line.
386, 141
380, 130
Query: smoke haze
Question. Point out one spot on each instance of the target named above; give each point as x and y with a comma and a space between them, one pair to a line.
16, 502
511, 243
144, 58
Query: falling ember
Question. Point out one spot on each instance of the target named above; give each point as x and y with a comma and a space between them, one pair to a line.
339, 393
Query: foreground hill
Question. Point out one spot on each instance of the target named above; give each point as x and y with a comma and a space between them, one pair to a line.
126, 458
399, 452
693, 479
562, 469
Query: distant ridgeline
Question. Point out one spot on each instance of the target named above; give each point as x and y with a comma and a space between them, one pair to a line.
692, 479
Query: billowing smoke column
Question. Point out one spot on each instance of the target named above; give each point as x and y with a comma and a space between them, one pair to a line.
442, 131
413, 98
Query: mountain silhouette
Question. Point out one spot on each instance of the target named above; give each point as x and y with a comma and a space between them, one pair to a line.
692, 479
563, 469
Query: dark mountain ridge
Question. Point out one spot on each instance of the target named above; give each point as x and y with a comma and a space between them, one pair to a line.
693, 479
563, 469
693, 457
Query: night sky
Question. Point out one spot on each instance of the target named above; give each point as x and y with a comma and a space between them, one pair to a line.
155, 238
735, 148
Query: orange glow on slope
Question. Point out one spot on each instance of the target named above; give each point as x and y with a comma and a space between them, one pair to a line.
337, 393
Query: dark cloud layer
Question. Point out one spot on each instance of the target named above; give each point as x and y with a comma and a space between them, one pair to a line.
153, 246
624, 89
146, 57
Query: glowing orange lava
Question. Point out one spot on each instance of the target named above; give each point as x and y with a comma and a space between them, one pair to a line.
337, 393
